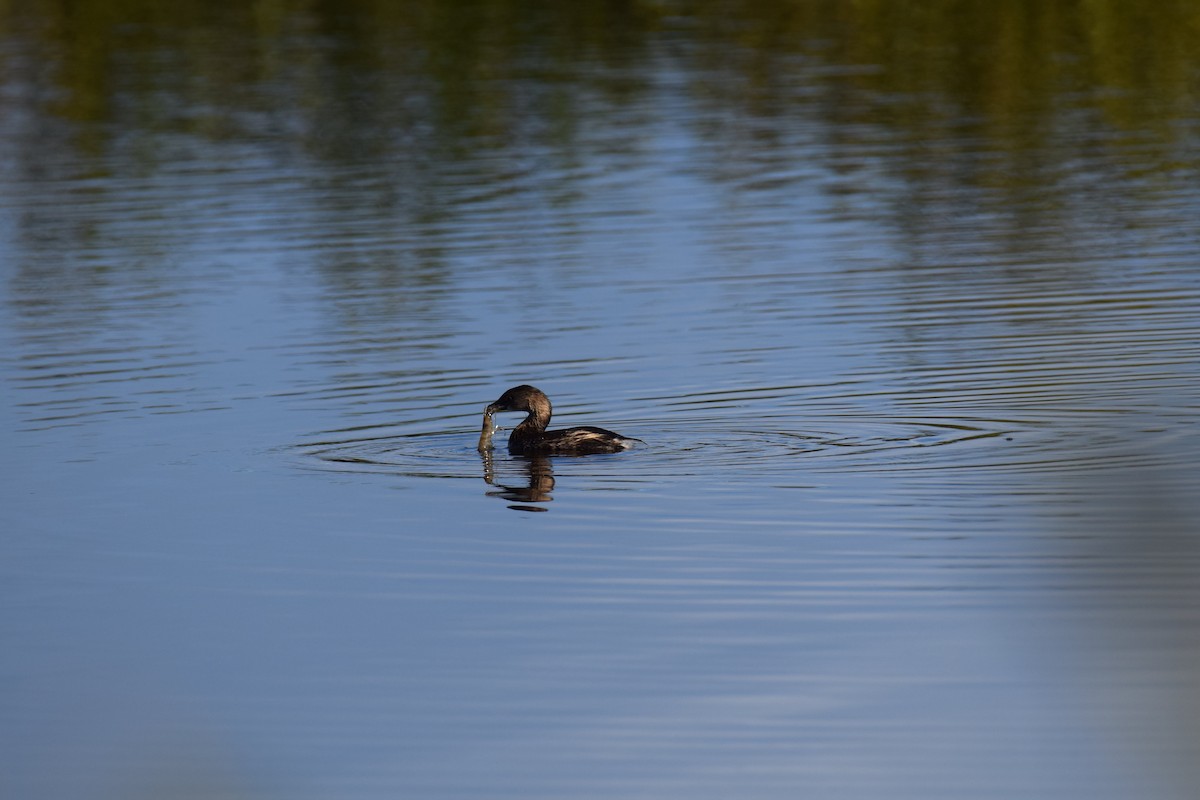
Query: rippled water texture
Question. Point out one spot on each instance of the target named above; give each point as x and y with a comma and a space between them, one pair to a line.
903, 300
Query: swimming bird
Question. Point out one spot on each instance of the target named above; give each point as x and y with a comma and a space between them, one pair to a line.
531, 436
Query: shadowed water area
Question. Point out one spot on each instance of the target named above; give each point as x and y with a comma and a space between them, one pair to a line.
903, 299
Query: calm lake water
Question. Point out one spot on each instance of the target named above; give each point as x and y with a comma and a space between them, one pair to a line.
904, 300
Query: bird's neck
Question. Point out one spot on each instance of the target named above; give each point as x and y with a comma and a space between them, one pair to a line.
536, 422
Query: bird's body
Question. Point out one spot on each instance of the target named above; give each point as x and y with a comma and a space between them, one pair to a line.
531, 436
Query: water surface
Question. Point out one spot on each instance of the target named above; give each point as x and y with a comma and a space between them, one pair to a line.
904, 306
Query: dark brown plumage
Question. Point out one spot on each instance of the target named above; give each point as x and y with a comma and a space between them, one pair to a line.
532, 438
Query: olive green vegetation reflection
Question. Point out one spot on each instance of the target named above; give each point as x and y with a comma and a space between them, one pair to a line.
446, 63
1000, 60
459, 66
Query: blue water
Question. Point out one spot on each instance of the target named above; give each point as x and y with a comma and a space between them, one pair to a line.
915, 516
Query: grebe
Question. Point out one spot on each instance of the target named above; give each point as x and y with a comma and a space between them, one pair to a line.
531, 437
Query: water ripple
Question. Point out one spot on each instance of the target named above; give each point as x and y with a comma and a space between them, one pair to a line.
780, 447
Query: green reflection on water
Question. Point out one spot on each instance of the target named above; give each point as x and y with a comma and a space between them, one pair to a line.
464, 67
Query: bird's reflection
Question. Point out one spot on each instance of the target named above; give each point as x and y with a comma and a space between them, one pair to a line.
539, 482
